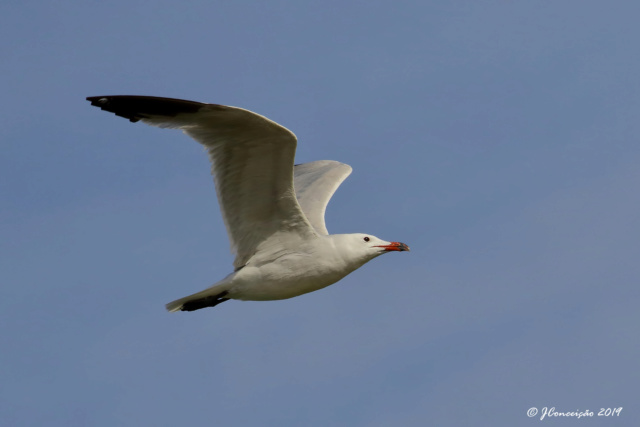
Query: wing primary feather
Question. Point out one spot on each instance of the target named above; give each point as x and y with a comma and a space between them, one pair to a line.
136, 108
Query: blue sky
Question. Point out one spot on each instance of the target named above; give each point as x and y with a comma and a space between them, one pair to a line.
498, 139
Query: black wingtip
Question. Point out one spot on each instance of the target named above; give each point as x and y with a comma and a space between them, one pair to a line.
135, 108
210, 301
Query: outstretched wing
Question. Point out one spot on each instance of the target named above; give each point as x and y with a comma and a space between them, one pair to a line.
315, 183
252, 164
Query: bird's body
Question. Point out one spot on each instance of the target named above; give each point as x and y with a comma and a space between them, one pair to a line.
273, 210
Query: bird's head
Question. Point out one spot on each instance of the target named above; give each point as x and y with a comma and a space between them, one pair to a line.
362, 248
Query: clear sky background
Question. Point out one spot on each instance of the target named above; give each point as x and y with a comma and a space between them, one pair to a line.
499, 139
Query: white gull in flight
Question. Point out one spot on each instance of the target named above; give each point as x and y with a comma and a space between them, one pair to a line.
273, 209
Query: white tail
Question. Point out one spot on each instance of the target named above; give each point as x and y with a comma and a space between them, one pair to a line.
176, 305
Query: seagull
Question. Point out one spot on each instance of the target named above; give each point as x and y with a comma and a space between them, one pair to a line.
273, 210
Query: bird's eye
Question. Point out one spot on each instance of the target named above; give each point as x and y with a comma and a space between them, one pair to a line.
366, 239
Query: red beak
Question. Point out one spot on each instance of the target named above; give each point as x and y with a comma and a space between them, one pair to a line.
394, 246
